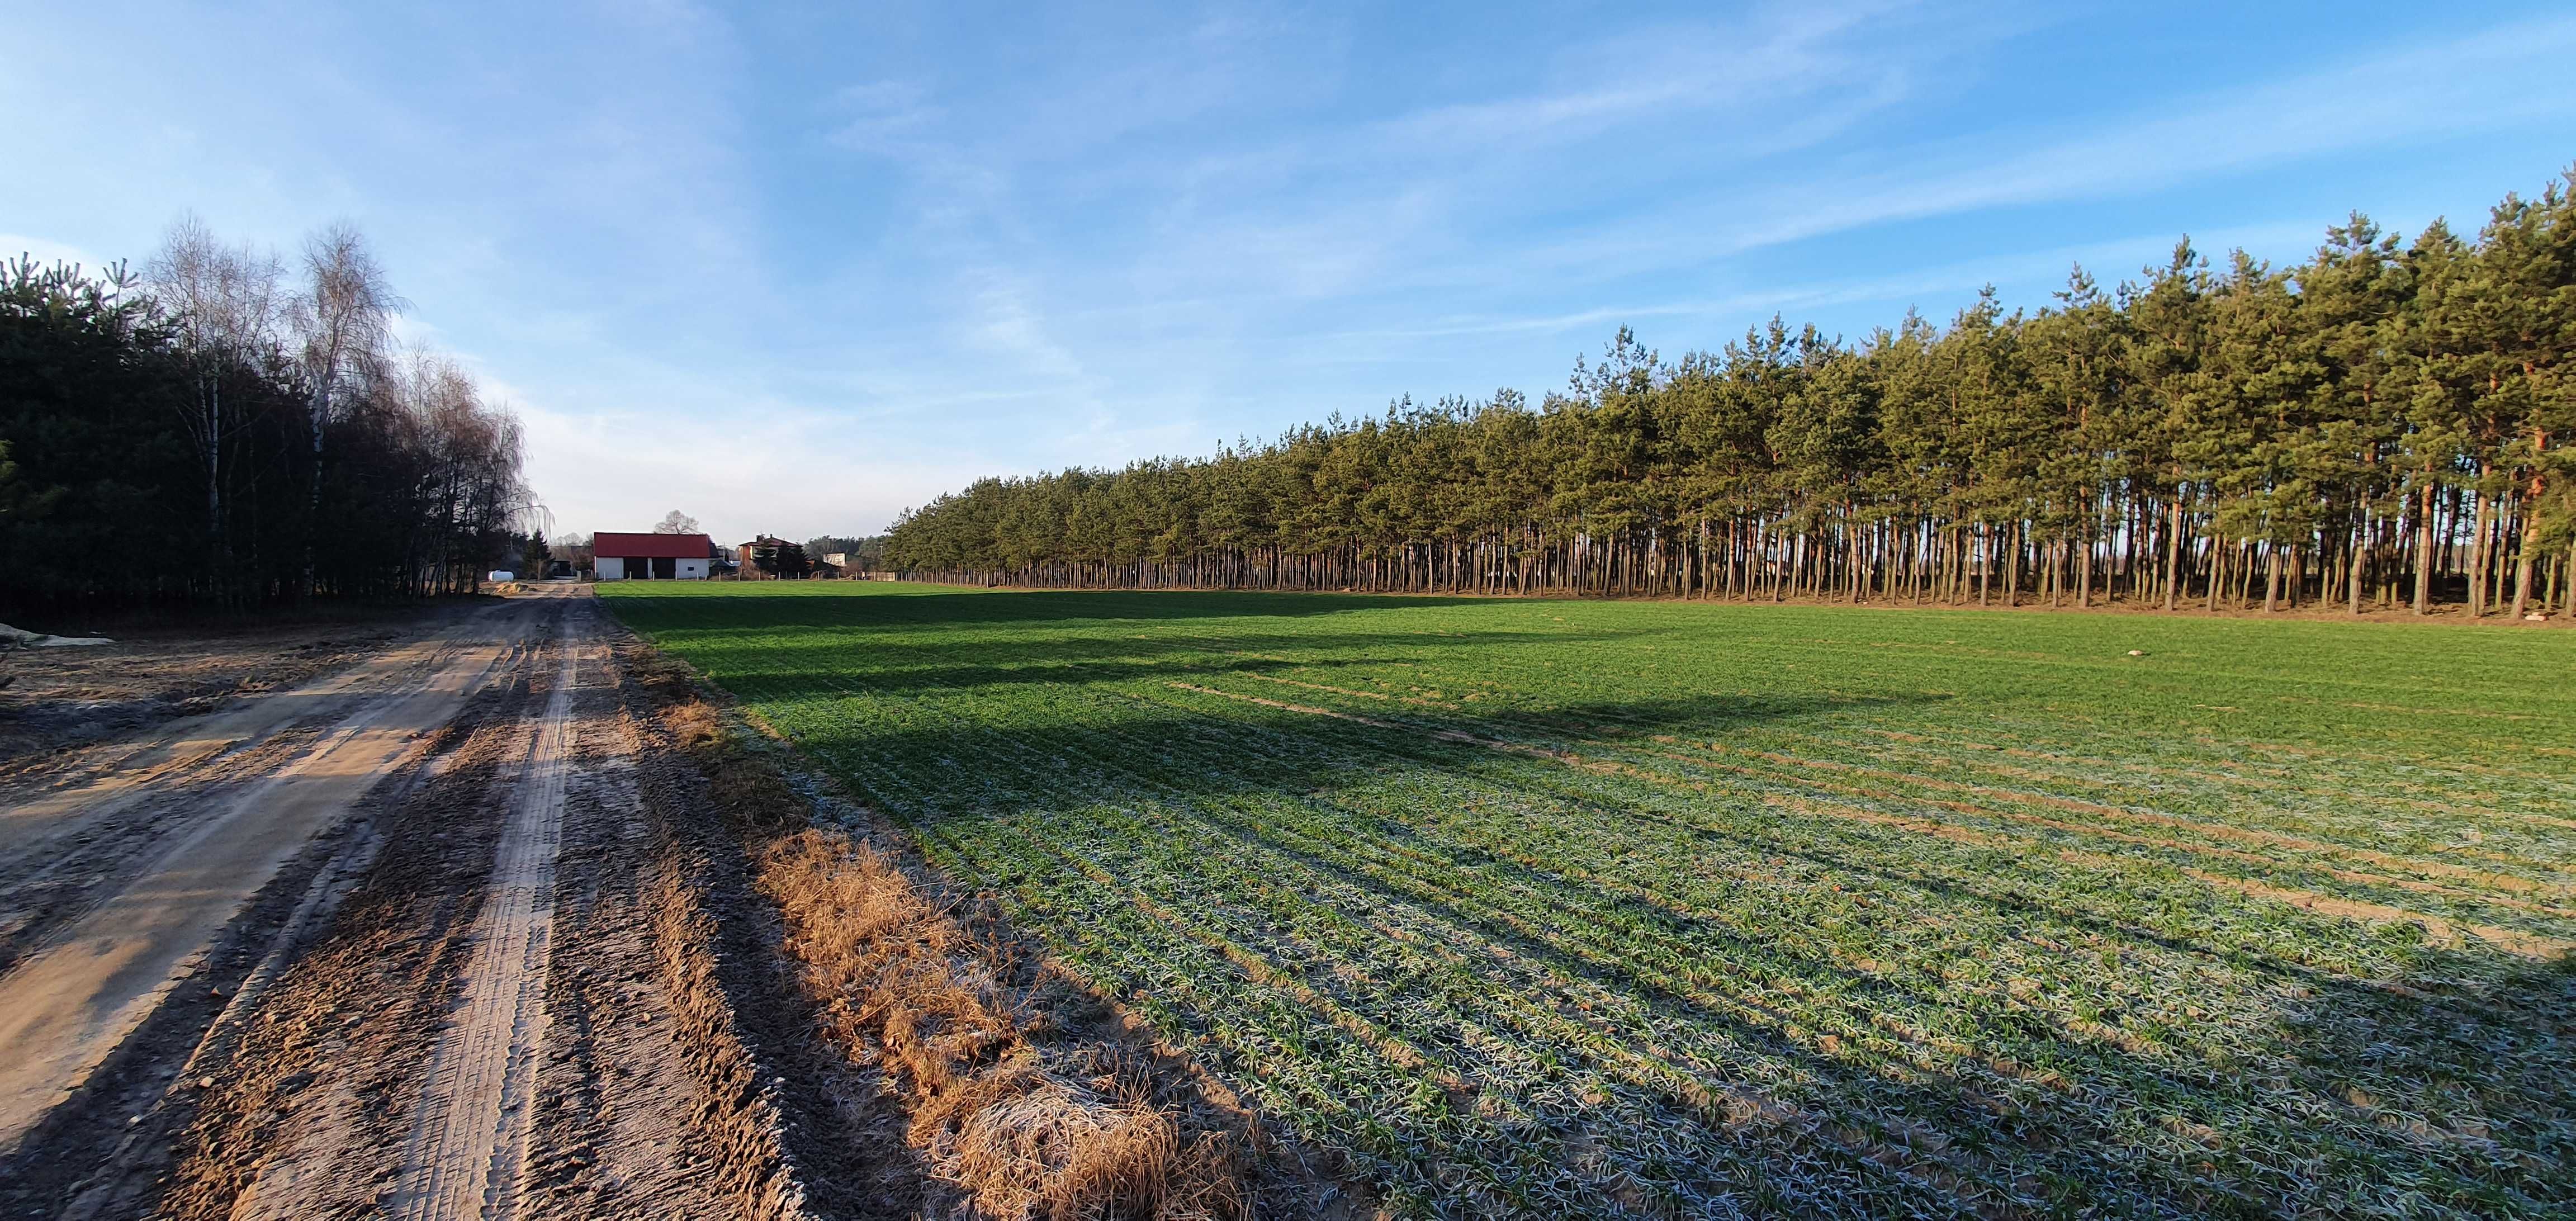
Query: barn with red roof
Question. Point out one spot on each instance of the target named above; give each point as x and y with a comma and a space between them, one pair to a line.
651, 557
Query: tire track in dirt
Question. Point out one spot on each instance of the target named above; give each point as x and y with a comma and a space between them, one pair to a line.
133, 1142
528, 973
312, 1103
70, 1005
69, 845
181, 752
470, 1142
664, 1080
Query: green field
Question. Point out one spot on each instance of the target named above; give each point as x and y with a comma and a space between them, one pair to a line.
1652, 909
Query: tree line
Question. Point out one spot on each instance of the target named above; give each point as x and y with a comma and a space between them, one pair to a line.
2382, 425
227, 429
864, 552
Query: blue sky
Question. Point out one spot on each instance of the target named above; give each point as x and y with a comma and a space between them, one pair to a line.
794, 267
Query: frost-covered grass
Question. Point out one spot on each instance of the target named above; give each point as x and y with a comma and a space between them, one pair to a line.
1656, 909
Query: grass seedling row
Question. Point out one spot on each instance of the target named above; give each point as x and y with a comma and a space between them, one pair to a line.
1633, 909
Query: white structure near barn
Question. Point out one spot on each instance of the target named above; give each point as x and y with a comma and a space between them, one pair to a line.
650, 557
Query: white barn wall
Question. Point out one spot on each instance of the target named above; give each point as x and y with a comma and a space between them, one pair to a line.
613, 568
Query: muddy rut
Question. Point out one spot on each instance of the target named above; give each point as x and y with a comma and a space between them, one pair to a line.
431, 937
502, 922
469, 1143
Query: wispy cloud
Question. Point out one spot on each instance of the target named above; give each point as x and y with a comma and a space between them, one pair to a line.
2039, 271
46, 251
1010, 325
2483, 80
880, 116
1660, 76
828, 262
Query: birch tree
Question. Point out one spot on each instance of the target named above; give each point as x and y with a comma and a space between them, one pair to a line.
223, 308
341, 317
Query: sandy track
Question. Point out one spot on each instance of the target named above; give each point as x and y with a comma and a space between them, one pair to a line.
483, 927
76, 829
453, 939
470, 1142
87, 988
424, 939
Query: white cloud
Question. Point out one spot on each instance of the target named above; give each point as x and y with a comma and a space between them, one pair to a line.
1008, 323
711, 271
2474, 82
877, 116
43, 251
1775, 60
739, 476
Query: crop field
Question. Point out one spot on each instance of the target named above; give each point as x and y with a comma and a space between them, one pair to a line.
1653, 909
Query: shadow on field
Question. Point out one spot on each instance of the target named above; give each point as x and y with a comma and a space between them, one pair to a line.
2291, 1115
1530, 884
933, 642
767, 612
898, 667
2489, 1039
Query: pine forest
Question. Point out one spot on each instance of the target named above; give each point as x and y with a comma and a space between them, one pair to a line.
255, 424
2379, 428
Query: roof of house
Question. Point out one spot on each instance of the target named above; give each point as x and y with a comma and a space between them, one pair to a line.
609, 545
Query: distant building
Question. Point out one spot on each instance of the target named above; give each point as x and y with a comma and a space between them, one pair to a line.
651, 557
769, 558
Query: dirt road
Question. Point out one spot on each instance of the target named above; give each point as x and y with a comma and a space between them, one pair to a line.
433, 936
500, 918
470, 1141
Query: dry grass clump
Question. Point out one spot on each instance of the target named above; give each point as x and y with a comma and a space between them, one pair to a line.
1015, 1088
1054, 1149
1030, 1131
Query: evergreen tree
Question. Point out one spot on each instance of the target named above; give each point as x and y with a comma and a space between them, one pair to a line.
2384, 421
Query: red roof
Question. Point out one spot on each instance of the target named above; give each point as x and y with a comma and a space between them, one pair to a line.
611, 546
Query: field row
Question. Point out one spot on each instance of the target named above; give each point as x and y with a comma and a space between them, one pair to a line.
1653, 910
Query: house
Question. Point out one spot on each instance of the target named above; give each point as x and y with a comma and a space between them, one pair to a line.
769, 558
651, 557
